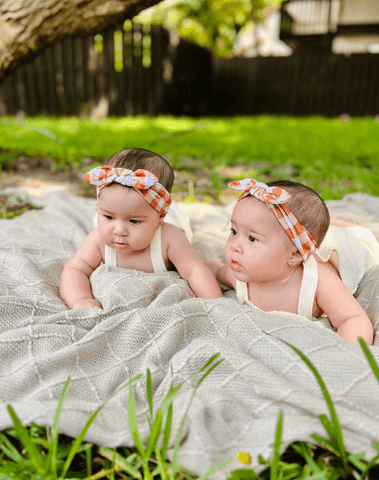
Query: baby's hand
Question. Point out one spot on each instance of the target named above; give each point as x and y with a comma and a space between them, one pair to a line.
86, 303
213, 266
340, 222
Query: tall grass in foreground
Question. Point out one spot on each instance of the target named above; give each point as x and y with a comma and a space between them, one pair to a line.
43, 457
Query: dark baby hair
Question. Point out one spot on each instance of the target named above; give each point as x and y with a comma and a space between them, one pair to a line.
136, 158
307, 206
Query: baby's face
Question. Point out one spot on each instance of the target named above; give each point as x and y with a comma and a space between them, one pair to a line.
258, 249
126, 222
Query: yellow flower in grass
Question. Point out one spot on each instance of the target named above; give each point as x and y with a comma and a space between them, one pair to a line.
244, 458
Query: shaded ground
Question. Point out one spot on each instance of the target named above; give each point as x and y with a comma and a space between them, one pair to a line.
36, 176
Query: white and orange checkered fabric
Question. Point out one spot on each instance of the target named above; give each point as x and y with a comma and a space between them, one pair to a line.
275, 198
143, 181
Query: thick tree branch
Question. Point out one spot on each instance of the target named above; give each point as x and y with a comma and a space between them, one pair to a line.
26, 26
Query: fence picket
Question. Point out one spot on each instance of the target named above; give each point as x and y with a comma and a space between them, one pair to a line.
72, 77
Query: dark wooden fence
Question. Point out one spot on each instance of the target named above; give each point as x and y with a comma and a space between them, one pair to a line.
306, 84
125, 67
132, 69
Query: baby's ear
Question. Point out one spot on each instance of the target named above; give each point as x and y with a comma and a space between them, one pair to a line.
295, 258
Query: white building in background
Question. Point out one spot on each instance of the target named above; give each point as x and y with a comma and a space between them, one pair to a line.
262, 38
340, 26
359, 19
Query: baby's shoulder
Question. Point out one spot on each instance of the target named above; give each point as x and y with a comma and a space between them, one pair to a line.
171, 232
93, 237
328, 280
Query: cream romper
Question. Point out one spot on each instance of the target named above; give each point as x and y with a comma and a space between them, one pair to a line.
155, 251
358, 251
307, 290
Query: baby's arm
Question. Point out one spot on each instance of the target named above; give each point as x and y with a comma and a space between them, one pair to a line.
343, 310
222, 272
189, 264
75, 288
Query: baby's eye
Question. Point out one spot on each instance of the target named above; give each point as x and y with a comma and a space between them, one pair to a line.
252, 239
134, 222
234, 233
108, 217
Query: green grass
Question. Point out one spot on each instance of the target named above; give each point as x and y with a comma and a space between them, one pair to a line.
39, 453
334, 157
330, 155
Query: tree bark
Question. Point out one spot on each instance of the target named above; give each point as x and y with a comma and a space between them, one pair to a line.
26, 26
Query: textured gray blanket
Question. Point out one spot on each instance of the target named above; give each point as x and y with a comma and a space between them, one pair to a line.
153, 321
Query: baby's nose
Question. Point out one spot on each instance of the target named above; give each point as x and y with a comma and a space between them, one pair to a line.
236, 245
120, 228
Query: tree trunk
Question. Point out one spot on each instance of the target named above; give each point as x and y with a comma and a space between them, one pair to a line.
26, 26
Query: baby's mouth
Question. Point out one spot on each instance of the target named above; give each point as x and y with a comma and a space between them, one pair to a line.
120, 244
234, 265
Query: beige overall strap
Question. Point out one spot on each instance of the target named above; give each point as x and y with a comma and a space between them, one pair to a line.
110, 256
308, 288
156, 252
242, 292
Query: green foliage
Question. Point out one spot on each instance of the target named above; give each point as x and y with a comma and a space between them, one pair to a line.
12, 205
213, 24
49, 459
337, 464
46, 459
329, 155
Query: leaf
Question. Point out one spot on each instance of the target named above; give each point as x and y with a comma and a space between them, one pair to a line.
53, 447
335, 424
79, 439
370, 358
274, 466
35, 457
10, 450
167, 431
149, 394
303, 450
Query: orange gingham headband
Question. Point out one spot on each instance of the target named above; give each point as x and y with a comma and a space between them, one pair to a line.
143, 182
275, 198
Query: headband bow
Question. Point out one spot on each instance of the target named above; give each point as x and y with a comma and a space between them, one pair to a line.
275, 198
143, 182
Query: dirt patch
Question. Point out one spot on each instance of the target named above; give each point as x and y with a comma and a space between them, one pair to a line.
36, 176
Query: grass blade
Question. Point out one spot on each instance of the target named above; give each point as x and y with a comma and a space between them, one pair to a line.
160, 460
167, 431
89, 459
215, 469
371, 360
175, 466
274, 466
323, 442
303, 451
79, 439
35, 457
154, 434
133, 424
53, 447
121, 462
337, 430
10, 450
157, 425
149, 394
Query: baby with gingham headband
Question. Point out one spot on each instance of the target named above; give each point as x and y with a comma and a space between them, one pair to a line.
272, 262
133, 192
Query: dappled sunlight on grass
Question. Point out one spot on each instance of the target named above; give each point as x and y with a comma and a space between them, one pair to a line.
311, 150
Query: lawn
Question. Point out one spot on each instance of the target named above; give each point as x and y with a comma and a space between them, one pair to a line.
333, 156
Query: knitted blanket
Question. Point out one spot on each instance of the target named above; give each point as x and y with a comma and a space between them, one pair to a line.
154, 321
